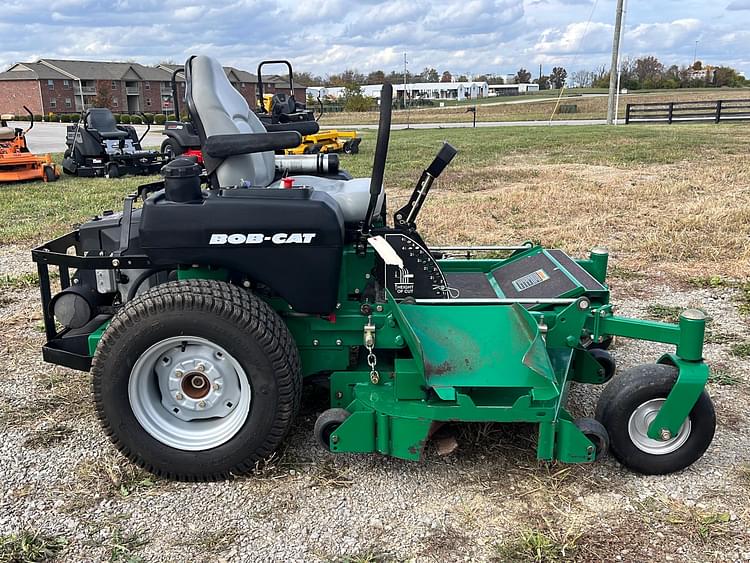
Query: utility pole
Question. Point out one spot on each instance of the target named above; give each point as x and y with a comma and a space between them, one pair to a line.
405, 104
613, 69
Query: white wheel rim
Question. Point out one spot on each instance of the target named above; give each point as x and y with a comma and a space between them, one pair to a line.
189, 393
638, 425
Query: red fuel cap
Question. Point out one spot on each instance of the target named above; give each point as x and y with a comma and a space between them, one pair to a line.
287, 183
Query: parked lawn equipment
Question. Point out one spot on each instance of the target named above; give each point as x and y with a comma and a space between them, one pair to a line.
277, 112
201, 312
17, 163
98, 146
284, 108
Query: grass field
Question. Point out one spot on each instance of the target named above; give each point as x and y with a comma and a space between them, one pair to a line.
660, 197
508, 109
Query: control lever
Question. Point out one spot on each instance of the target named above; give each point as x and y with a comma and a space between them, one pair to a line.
407, 215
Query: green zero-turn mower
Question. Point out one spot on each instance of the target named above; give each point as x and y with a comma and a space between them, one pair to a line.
202, 311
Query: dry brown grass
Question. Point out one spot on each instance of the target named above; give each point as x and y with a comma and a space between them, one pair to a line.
677, 219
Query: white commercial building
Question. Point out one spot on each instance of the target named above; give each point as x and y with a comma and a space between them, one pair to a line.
431, 90
417, 90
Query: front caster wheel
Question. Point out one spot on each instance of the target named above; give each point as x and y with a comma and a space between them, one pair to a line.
606, 361
196, 380
326, 425
594, 431
629, 404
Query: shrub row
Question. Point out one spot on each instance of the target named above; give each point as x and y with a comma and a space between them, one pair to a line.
124, 118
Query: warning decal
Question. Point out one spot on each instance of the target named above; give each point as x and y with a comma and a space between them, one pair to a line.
530, 280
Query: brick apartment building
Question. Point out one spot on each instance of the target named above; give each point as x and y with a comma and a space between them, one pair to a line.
63, 86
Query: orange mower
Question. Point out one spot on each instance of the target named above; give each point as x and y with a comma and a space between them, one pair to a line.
17, 163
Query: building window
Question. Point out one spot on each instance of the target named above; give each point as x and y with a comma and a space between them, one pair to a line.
166, 84
148, 102
115, 102
66, 84
68, 103
51, 84
147, 85
114, 85
53, 103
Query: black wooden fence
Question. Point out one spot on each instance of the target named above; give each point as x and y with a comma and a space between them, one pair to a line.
707, 111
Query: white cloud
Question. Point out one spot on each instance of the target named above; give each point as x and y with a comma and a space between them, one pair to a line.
465, 36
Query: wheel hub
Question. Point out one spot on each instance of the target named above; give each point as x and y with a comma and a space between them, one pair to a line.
189, 393
196, 383
638, 425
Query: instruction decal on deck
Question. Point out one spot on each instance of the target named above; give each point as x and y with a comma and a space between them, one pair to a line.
530, 280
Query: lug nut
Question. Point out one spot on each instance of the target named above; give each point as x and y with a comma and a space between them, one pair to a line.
217, 386
179, 373
179, 396
665, 434
202, 404
201, 367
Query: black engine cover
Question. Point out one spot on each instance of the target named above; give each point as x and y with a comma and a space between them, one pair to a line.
289, 240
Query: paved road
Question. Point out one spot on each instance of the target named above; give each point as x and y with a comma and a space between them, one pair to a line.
50, 137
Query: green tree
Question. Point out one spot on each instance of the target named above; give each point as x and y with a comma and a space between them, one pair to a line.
376, 77
523, 76
558, 77
354, 100
430, 75
543, 82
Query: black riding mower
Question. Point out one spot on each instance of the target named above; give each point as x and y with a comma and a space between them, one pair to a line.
202, 311
98, 146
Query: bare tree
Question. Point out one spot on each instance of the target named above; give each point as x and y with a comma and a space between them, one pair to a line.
583, 78
446, 76
103, 98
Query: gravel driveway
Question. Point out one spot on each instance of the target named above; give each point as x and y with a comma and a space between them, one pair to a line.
491, 499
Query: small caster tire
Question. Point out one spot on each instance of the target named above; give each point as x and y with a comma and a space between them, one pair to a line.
605, 359
49, 174
594, 431
630, 402
111, 170
327, 423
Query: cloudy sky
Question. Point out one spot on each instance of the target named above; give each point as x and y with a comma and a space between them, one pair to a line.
326, 36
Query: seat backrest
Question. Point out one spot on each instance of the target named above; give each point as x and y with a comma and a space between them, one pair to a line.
217, 108
101, 119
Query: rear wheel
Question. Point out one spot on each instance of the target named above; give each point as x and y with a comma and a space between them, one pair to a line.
629, 404
171, 149
196, 380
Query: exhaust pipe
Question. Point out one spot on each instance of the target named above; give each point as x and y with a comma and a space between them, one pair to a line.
308, 164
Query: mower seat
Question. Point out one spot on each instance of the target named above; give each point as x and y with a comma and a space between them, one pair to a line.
7, 133
101, 121
217, 108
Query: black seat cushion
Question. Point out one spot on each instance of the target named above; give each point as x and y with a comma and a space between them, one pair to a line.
102, 120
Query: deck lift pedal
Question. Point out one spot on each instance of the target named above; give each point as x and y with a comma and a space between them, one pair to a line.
201, 312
